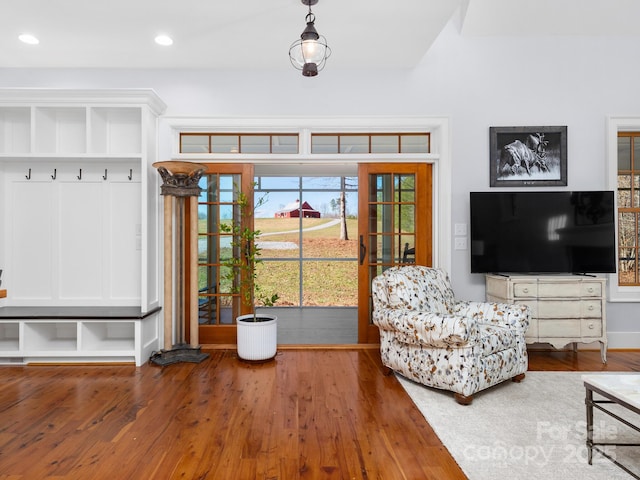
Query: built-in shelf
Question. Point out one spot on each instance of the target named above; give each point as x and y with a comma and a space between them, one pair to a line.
84, 131
9, 337
77, 334
15, 134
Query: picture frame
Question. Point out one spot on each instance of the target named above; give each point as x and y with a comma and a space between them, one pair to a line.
528, 156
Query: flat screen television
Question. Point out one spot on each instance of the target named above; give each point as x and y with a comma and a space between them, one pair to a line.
543, 232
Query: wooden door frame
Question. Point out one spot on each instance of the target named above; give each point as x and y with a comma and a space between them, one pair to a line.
367, 331
217, 334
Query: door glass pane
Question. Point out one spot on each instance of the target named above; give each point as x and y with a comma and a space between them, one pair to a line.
380, 188
408, 248
301, 225
392, 216
628, 248
627, 229
209, 186
624, 191
215, 285
337, 289
404, 218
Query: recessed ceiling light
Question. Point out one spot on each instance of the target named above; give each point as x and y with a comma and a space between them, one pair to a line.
28, 38
164, 40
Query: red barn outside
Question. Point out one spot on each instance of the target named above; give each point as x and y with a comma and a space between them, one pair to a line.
294, 209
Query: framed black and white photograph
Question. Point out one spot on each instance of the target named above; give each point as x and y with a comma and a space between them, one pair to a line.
528, 156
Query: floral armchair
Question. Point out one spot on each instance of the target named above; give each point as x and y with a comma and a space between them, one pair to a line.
430, 338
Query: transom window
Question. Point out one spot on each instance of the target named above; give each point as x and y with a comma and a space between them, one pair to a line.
332, 143
239, 143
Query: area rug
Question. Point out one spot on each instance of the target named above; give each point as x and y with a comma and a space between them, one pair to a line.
529, 430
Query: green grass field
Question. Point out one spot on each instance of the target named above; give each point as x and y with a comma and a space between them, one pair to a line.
325, 282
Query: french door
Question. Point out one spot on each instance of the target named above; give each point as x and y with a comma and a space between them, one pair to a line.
394, 227
218, 301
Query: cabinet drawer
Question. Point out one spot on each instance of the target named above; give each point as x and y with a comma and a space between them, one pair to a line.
591, 308
559, 309
559, 328
525, 290
559, 289
591, 328
568, 309
591, 289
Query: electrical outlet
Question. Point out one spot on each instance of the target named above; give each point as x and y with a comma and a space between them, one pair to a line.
460, 243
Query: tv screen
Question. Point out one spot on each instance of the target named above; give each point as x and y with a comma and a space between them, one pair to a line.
543, 232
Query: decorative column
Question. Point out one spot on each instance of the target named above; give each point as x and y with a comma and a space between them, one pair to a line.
180, 182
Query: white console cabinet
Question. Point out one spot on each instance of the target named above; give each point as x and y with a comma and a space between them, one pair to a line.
564, 309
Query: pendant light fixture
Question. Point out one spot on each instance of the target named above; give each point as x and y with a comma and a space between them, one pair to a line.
311, 51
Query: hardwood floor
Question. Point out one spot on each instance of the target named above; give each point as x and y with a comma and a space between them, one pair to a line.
316, 414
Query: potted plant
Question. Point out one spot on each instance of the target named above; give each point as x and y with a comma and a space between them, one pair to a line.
257, 333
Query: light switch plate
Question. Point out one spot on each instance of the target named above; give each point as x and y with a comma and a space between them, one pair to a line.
460, 229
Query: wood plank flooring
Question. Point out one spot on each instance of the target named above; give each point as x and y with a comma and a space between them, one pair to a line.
310, 414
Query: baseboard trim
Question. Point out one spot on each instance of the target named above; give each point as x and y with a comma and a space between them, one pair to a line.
623, 340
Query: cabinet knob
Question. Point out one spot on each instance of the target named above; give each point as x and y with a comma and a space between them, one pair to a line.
590, 289
525, 290
591, 326
590, 307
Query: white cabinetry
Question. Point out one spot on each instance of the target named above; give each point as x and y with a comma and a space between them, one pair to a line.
79, 220
564, 309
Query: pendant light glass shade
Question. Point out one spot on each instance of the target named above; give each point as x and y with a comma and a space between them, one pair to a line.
310, 52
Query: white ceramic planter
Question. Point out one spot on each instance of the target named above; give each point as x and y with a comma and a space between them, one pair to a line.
257, 341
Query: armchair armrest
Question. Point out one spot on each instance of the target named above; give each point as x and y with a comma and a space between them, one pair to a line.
427, 328
516, 316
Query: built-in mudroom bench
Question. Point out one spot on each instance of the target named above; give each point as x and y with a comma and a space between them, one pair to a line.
79, 225
77, 334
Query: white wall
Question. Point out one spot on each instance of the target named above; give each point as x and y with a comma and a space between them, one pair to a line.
476, 82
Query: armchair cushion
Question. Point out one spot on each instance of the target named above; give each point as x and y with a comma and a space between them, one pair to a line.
407, 288
426, 328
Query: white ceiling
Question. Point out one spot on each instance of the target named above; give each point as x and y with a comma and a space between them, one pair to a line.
240, 34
